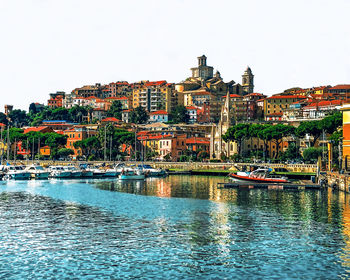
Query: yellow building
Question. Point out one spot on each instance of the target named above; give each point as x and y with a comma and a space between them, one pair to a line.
155, 96
276, 104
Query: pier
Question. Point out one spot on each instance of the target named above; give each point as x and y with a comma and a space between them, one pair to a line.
287, 186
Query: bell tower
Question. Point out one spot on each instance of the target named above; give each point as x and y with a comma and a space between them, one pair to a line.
248, 81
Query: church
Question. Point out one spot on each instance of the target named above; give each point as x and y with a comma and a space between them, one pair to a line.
218, 147
205, 87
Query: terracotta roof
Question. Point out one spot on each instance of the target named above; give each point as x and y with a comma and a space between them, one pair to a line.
341, 87
110, 119
92, 97
198, 140
262, 99
2, 124
191, 108
37, 129
157, 83
324, 103
275, 114
117, 98
255, 94
160, 112
286, 96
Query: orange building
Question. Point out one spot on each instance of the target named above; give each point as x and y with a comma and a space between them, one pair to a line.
196, 144
346, 132
76, 133
45, 151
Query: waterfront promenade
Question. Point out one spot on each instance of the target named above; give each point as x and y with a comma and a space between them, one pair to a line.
186, 166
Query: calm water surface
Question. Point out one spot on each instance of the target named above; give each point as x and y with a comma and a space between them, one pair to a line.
171, 228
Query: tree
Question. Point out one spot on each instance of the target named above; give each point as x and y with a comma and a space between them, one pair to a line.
3, 118
76, 113
312, 154
18, 118
115, 110
237, 133
65, 152
55, 141
312, 127
329, 124
180, 115
139, 115
32, 109
276, 133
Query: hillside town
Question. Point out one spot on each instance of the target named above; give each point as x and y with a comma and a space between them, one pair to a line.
202, 118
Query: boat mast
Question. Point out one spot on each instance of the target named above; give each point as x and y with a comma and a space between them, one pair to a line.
105, 152
8, 143
2, 146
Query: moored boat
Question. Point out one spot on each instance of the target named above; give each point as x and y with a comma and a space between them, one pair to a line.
13, 172
38, 172
58, 172
152, 172
135, 174
261, 175
74, 172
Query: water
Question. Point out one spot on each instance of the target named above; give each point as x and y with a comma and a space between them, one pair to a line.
171, 228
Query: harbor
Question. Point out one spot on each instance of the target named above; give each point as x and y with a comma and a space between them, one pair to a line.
177, 226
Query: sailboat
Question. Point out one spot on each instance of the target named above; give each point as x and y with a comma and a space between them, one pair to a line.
132, 173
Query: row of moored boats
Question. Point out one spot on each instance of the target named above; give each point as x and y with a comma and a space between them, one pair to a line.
120, 171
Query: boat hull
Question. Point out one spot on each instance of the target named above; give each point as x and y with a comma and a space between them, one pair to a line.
245, 179
131, 177
41, 175
17, 176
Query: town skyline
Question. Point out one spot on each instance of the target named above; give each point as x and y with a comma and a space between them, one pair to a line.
53, 47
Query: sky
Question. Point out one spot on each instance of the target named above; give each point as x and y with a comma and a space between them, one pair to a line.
48, 46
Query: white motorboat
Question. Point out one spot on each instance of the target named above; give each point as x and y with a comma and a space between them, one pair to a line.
38, 172
135, 174
74, 172
98, 172
261, 175
85, 173
152, 172
111, 172
59, 172
13, 172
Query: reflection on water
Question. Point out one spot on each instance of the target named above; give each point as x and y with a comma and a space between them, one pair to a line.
175, 227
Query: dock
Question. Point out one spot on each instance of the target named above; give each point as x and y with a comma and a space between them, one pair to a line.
270, 186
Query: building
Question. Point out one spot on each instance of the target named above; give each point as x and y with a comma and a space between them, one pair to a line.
110, 120
119, 89
155, 96
202, 71
125, 101
276, 104
159, 116
319, 110
346, 134
219, 148
172, 146
42, 129
126, 116
56, 99
89, 90
248, 81
74, 134
192, 114
198, 144
8, 109
343, 90
205, 88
